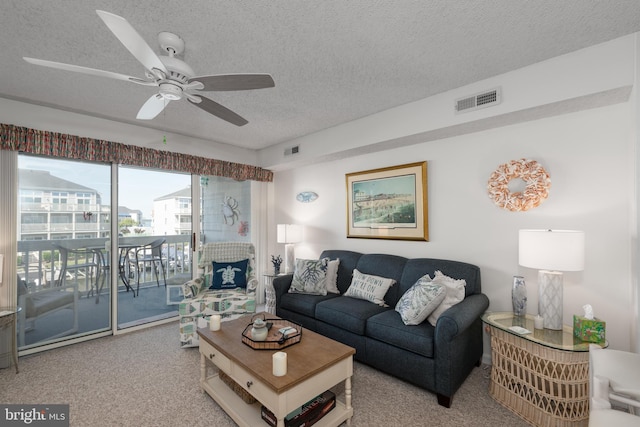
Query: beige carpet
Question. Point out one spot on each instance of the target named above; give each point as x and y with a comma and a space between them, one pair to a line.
144, 379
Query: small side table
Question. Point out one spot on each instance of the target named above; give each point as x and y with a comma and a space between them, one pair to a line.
270, 293
8, 318
542, 376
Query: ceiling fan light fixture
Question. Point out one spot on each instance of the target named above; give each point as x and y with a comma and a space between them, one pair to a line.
170, 91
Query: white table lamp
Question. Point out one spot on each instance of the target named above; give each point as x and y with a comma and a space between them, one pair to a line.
551, 251
289, 234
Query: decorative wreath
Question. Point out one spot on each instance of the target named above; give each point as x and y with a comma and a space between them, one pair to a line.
537, 182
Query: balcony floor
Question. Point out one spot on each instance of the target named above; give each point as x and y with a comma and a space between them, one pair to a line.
150, 305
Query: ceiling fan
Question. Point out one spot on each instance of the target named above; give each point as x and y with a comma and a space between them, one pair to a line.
173, 77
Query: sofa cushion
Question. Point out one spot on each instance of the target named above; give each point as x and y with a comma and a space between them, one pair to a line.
420, 301
303, 303
310, 276
229, 275
369, 287
347, 313
388, 327
455, 294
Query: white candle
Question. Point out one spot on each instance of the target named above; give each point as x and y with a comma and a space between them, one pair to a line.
538, 322
214, 322
279, 363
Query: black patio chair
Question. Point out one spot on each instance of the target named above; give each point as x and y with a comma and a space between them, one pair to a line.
150, 254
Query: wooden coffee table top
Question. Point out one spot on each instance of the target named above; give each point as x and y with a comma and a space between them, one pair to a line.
313, 354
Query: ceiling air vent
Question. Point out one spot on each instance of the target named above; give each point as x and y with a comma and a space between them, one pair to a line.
479, 100
292, 150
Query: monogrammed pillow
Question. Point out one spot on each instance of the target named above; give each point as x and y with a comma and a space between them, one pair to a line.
368, 287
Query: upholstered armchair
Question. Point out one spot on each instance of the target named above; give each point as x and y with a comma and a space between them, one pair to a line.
221, 264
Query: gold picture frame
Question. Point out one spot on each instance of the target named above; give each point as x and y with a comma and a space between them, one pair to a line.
388, 203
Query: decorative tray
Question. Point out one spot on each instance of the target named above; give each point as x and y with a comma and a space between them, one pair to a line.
274, 340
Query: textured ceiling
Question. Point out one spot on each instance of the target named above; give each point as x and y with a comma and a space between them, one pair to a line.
333, 61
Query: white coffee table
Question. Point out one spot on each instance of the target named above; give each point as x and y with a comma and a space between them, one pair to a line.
314, 365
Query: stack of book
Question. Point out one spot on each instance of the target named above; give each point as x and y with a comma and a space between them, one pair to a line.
306, 415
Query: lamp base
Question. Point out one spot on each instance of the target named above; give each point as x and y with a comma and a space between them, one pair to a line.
550, 298
289, 258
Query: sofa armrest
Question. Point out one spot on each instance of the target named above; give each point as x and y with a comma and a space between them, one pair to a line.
458, 318
281, 285
458, 344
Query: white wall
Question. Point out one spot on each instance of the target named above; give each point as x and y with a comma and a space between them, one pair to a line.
589, 157
596, 76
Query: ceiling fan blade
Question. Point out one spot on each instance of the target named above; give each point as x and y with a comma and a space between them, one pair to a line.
218, 110
152, 107
86, 70
223, 82
133, 41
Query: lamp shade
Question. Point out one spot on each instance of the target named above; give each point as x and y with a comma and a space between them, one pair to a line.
289, 233
556, 250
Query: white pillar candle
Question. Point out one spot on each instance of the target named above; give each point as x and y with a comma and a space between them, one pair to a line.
214, 322
538, 322
279, 364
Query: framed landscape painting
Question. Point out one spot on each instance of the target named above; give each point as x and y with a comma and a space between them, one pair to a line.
388, 203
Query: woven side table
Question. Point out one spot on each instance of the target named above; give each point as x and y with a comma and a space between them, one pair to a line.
542, 376
270, 293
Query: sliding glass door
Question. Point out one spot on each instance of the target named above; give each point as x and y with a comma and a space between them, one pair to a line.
64, 215
154, 244
70, 267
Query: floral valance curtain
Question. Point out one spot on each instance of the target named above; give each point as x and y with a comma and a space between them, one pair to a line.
53, 144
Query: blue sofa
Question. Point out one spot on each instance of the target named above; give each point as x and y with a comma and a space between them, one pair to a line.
437, 358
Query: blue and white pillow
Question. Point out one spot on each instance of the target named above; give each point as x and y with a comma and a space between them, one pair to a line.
420, 300
310, 276
229, 275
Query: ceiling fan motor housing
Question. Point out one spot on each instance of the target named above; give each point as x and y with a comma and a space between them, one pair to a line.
178, 69
179, 73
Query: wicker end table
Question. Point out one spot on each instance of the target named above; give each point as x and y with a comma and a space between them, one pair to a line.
270, 293
542, 376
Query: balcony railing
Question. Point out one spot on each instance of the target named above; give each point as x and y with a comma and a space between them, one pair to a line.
65, 226
39, 262
60, 207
